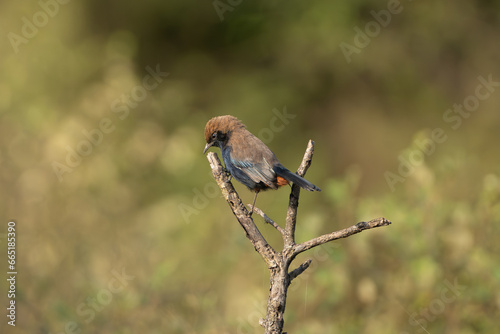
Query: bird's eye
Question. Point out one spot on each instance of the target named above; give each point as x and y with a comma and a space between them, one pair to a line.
214, 135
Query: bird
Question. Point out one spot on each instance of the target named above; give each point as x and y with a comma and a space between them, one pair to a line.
247, 158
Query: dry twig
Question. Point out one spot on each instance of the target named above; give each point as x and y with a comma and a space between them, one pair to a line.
278, 263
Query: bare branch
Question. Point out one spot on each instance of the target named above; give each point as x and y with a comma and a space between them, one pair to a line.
267, 219
279, 262
307, 159
347, 232
291, 215
239, 210
300, 269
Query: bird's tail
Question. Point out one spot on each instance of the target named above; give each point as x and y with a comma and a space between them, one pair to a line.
292, 177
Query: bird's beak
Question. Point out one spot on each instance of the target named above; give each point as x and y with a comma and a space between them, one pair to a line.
208, 146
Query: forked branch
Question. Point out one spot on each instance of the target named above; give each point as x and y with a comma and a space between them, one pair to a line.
279, 262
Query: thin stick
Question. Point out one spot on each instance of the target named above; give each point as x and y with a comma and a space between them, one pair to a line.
344, 233
267, 219
291, 215
300, 269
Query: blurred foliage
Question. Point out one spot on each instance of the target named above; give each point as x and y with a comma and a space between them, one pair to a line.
142, 199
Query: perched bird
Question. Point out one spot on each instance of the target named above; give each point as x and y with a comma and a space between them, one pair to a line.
247, 158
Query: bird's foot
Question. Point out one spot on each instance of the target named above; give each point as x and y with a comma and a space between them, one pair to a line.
228, 174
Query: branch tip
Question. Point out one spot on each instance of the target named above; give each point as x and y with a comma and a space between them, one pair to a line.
300, 269
267, 219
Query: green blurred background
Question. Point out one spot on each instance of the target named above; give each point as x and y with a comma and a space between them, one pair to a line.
142, 203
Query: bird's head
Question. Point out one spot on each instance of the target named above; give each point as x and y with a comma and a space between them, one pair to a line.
218, 130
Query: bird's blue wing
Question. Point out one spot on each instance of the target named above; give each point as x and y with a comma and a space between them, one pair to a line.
257, 172
249, 173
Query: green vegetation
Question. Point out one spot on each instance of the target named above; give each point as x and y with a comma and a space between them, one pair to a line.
120, 226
